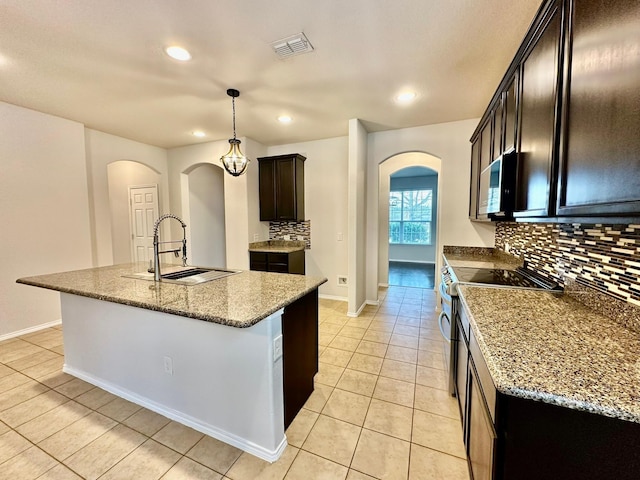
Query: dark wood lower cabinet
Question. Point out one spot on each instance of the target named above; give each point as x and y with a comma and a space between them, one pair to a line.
514, 438
277, 262
481, 436
299, 353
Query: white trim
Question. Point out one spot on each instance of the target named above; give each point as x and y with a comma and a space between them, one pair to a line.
385, 285
332, 297
207, 429
356, 314
373, 302
25, 331
428, 262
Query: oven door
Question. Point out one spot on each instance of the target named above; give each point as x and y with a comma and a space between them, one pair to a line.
446, 325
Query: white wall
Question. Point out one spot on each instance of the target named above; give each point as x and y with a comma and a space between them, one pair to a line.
357, 241
240, 196
417, 253
120, 176
206, 203
101, 150
326, 200
450, 143
44, 211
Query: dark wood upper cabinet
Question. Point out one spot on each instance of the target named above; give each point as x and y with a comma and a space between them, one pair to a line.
281, 183
475, 176
510, 116
498, 130
600, 139
538, 108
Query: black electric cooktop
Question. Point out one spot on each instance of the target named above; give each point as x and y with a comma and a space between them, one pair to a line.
496, 276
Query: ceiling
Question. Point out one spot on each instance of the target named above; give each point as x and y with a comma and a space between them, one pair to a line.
102, 63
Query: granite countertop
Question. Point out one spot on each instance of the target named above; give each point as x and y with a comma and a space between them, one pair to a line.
479, 258
239, 300
278, 246
551, 348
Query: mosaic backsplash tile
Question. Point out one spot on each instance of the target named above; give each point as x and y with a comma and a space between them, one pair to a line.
603, 257
294, 230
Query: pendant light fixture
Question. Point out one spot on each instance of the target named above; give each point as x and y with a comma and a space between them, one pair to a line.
234, 160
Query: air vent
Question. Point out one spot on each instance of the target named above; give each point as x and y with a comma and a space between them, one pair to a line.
293, 45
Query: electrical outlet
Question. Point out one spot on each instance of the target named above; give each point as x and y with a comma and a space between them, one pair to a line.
340, 237
342, 280
168, 365
287, 237
507, 247
277, 348
256, 237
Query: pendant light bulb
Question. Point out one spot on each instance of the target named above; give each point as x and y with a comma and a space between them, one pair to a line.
234, 161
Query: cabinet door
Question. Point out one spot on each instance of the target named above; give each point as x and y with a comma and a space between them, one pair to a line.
600, 161
462, 357
510, 117
267, 189
475, 177
539, 79
481, 435
485, 161
286, 189
498, 130
299, 353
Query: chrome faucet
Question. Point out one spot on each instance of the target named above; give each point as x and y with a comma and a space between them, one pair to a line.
157, 243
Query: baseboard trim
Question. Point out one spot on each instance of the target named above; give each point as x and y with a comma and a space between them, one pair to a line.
332, 297
358, 312
383, 285
25, 331
207, 429
375, 303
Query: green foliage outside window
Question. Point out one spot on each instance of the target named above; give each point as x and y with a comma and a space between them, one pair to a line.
410, 214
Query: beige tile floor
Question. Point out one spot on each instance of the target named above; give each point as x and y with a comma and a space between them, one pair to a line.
380, 410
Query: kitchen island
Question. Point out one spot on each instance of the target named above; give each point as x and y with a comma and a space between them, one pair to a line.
209, 356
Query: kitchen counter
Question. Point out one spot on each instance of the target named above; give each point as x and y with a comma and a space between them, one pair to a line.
551, 348
239, 300
278, 246
478, 257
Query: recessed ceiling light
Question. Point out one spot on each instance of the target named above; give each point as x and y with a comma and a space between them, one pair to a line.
406, 97
178, 53
199, 133
285, 119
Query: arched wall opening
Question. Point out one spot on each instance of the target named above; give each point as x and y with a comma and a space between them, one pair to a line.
121, 175
386, 168
204, 210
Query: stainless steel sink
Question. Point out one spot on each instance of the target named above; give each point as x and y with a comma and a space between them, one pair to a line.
188, 276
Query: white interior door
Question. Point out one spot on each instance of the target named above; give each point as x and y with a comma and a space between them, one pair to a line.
143, 205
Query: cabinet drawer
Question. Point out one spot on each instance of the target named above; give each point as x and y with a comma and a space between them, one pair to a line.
279, 258
258, 257
484, 377
279, 267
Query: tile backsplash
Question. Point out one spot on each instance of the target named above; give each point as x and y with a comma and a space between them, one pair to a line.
603, 257
293, 230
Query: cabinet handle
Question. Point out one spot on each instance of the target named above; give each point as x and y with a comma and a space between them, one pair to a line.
440, 318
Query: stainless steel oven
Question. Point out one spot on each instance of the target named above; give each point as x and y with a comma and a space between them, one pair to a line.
446, 322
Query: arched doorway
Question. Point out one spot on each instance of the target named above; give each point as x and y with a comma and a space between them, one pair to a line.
412, 227
205, 215
386, 169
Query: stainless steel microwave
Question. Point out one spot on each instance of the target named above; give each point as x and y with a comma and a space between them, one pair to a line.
497, 187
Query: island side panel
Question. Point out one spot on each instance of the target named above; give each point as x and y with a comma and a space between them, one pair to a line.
224, 380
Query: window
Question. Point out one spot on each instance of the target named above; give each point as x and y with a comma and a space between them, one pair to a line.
410, 217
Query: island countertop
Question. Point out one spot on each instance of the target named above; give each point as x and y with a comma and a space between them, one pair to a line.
239, 300
551, 348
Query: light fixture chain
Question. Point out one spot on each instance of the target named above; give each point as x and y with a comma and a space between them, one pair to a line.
233, 106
